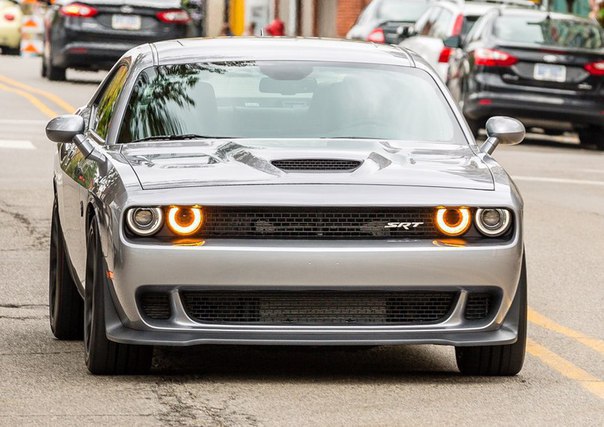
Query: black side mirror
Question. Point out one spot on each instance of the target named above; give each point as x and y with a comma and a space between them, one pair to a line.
404, 31
453, 42
65, 128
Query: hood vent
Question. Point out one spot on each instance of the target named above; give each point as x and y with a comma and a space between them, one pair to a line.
316, 165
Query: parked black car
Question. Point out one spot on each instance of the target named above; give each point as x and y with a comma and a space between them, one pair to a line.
381, 19
546, 69
94, 34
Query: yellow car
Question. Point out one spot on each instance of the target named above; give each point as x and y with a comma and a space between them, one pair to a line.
10, 26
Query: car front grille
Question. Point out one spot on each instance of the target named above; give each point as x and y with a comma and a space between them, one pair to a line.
318, 307
317, 165
478, 306
318, 223
155, 305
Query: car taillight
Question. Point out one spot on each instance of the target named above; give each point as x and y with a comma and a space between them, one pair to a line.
493, 58
458, 26
444, 55
174, 16
595, 68
377, 36
9, 16
78, 10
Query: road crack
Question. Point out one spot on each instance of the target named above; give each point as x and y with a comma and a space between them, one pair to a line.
183, 407
40, 239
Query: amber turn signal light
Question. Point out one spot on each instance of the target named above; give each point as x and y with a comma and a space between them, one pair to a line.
453, 221
184, 220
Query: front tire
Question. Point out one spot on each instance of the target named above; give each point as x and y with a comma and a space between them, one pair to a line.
498, 360
66, 308
104, 357
592, 136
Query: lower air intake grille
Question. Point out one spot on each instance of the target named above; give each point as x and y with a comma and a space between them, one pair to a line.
318, 307
318, 223
156, 305
318, 165
478, 306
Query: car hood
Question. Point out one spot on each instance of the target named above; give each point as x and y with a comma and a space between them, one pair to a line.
249, 162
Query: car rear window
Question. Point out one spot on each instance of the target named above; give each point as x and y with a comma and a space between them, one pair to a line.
289, 99
397, 10
548, 32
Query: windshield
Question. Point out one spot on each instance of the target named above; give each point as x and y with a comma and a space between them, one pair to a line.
288, 99
549, 32
396, 10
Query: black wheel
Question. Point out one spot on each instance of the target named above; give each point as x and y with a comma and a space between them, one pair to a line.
65, 304
57, 74
475, 126
498, 360
11, 50
43, 71
592, 136
104, 357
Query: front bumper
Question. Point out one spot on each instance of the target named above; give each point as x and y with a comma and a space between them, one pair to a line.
333, 265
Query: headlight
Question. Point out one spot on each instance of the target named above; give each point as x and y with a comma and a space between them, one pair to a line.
493, 222
453, 221
185, 221
145, 221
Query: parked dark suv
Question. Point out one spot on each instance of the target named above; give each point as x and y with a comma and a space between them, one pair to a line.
94, 34
546, 69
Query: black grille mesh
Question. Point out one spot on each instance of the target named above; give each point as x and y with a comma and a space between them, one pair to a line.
321, 165
318, 307
317, 223
156, 305
478, 306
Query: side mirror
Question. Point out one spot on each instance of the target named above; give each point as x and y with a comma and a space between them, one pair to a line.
453, 42
405, 31
502, 130
65, 128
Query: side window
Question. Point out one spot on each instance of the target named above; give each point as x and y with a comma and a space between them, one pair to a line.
105, 104
428, 27
421, 22
477, 30
440, 29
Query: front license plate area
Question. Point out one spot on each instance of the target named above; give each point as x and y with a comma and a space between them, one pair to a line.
550, 73
126, 22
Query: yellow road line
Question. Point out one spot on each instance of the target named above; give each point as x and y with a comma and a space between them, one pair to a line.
48, 95
31, 98
541, 320
566, 368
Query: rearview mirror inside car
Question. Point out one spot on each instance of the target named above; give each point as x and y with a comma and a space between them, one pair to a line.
502, 130
64, 128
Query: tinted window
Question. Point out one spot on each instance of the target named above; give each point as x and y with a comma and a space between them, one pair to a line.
548, 32
288, 100
397, 10
107, 100
468, 23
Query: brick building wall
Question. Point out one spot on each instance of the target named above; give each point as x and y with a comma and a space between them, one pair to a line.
348, 12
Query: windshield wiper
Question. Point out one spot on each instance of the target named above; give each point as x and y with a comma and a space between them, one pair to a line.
180, 137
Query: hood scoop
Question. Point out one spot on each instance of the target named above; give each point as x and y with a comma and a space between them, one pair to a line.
316, 165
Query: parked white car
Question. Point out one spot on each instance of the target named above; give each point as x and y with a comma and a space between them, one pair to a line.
446, 19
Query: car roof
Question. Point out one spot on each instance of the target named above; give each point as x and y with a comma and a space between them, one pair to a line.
279, 48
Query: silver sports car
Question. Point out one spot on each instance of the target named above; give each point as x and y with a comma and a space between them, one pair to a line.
283, 192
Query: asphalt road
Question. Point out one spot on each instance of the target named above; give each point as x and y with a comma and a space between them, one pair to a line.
44, 381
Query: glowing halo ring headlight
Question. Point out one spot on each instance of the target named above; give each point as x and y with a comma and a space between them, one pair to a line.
493, 222
144, 221
453, 222
184, 220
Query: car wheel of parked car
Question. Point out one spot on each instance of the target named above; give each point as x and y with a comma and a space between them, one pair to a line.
11, 51
475, 126
498, 360
105, 357
592, 136
65, 304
